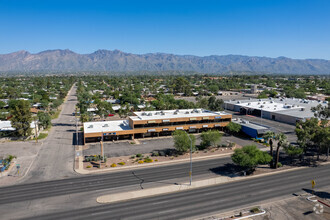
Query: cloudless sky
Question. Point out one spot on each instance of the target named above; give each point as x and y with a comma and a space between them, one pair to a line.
291, 28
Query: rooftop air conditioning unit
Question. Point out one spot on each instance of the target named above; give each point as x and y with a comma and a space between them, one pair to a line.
302, 109
271, 102
105, 125
264, 103
249, 103
261, 106
187, 112
90, 126
175, 113
149, 114
143, 113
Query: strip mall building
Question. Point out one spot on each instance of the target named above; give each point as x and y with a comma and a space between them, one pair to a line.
155, 124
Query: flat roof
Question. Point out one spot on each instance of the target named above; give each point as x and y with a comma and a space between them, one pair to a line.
106, 126
179, 113
286, 106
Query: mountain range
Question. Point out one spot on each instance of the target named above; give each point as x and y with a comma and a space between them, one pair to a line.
118, 61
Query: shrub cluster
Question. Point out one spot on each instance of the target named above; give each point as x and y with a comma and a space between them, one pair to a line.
121, 163
113, 165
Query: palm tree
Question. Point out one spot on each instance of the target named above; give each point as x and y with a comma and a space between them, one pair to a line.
269, 136
281, 141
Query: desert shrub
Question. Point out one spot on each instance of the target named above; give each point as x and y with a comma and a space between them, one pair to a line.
141, 161
155, 154
156, 160
121, 163
133, 157
139, 155
148, 160
113, 165
232, 144
89, 166
279, 164
255, 210
132, 142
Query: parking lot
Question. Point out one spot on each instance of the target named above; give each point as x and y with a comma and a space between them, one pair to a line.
125, 148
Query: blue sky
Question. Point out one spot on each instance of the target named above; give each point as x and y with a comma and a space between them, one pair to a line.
296, 29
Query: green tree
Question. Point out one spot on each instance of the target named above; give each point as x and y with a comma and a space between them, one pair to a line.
269, 136
215, 104
234, 128
249, 157
293, 151
45, 120
210, 138
182, 142
281, 142
21, 118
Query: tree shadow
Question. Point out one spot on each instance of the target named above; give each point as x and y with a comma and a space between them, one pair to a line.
62, 124
228, 169
74, 138
321, 194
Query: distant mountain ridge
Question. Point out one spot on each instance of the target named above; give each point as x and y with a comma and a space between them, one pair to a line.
107, 60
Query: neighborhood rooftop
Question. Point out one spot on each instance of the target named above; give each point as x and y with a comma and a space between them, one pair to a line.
179, 113
106, 126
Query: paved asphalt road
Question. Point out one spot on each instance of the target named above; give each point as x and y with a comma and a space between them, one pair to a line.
203, 201
55, 158
31, 191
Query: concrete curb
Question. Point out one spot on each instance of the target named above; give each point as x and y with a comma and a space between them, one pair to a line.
81, 170
119, 197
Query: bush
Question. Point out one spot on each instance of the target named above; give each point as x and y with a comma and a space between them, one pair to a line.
255, 210
232, 144
133, 157
155, 154
156, 160
89, 166
141, 161
132, 142
148, 160
210, 138
279, 164
121, 163
139, 155
113, 165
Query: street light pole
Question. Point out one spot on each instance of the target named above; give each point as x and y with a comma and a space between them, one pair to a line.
190, 172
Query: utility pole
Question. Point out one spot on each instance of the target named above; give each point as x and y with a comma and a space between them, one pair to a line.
76, 127
102, 150
36, 133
